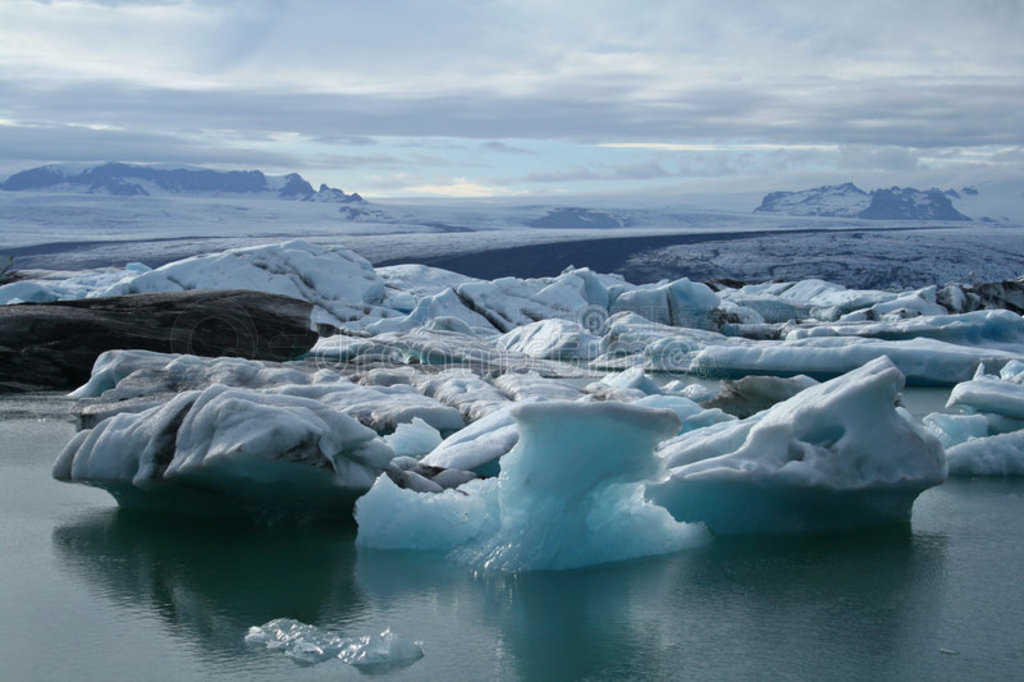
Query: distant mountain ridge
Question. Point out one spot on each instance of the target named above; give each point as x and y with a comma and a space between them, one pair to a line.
126, 180
849, 201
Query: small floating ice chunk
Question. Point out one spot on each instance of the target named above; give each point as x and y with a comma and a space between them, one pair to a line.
953, 429
413, 439
308, 645
479, 446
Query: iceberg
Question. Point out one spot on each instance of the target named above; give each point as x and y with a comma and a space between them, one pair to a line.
552, 339
987, 438
836, 455
679, 304
122, 375
479, 446
413, 439
921, 360
998, 455
570, 494
230, 452
989, 394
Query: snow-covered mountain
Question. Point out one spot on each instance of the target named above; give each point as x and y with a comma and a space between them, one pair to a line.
121, 179
849, 201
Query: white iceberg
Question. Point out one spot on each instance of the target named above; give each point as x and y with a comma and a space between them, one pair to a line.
836, 455
413, 439
998, 455
120, 375
987, 393
479, 446
445, 304
233, 452
924, 361
679, 304
988, 438
553, 339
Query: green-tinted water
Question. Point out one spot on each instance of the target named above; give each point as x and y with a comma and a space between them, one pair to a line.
87, 592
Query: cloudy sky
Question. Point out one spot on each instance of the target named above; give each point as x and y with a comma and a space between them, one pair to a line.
522, 97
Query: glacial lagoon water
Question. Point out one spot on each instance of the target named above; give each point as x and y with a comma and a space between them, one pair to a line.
88, 592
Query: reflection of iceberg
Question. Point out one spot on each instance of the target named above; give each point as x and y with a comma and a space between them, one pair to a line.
210, 582
748, 606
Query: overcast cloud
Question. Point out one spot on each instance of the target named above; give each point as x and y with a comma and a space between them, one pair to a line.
591, 96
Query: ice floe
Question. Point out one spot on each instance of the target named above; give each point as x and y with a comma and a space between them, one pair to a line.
308, 645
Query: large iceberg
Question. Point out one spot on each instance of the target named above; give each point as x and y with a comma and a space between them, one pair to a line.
570, 494
230, 452
836, 455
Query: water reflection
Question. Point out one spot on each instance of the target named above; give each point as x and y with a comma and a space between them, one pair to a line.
739, 608
210, 582
742, 607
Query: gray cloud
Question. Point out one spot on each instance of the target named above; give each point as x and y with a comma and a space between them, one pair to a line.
888, 84
21, 146
912, 113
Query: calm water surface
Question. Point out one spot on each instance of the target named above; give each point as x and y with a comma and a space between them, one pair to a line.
91, 593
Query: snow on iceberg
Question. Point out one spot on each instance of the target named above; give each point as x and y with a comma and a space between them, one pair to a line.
994, 328
340, 283
835, 455
230, 452
570, 494
680, 304
998, 455
924, 361
120, 375
308, 645
988, 394
553, 339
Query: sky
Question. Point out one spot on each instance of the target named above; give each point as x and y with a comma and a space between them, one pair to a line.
523, 98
